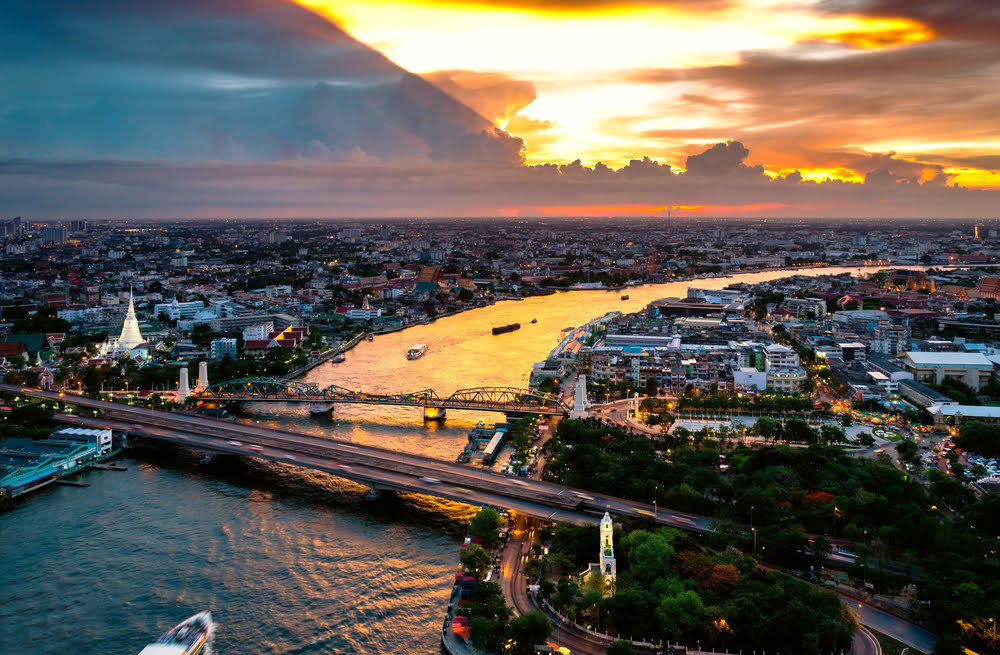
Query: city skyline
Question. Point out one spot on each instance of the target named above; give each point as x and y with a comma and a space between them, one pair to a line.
274, 108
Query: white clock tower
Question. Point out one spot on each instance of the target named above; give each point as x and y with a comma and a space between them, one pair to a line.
608, 568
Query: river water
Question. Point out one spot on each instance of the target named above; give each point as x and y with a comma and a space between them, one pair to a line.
288, 560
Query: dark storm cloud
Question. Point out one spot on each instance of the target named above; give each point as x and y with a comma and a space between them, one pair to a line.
217, 79
722, 159
260, 38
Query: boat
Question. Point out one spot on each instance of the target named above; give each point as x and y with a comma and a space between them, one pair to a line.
625, 297
191, 637
569, 329
534, 320
371, 337
336, 359
507, 328
416, 351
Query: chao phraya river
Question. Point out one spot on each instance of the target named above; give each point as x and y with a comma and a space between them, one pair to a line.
288, 561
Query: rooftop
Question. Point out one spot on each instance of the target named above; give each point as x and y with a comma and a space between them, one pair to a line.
963, 360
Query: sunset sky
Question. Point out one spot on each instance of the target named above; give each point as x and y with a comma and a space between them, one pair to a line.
518, 107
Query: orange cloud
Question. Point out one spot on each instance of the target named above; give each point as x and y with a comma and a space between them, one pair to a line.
872, 33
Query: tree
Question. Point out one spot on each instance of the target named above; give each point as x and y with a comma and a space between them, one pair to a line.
484, 525
649, 554
33, 416
980, 438
475, 558
866, 439
984, 514
567, 591
766, 427
529, 629
908, 452
487, 636
832, 434
799, 431
948, 644
680, 616
621, 647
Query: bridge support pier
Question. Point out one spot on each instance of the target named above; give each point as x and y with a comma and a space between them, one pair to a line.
320, 408
434, 413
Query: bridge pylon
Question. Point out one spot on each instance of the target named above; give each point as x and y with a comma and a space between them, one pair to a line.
434, 413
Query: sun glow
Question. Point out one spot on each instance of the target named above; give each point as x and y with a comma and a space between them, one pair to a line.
588, 65
427, 36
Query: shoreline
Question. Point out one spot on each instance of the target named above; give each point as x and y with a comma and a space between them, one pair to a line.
327, 355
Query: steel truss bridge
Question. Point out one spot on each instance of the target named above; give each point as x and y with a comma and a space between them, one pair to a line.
495, 399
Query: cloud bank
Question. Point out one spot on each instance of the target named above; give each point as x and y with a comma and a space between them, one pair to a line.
261, 108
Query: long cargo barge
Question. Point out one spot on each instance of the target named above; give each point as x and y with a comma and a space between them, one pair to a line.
507, 328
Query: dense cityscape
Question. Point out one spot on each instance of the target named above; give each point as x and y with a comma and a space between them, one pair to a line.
786, 442
500, 327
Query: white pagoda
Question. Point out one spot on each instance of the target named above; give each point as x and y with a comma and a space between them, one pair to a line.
129, 343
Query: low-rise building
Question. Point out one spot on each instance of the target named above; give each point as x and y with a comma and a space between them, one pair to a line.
778, 355
945, 414
27, 464
749, 379
973, 369
788, 379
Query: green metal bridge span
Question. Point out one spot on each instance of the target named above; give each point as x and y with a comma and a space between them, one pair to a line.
509, 400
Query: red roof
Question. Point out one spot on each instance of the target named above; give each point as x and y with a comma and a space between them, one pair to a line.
257, 344
9, 349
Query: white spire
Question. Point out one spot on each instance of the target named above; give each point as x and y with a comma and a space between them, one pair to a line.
130, 336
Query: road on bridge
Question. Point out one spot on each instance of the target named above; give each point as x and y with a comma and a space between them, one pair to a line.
436, 475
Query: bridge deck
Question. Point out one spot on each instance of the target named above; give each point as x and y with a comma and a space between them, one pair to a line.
396, 470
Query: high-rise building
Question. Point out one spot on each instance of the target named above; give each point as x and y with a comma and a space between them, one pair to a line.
55, 234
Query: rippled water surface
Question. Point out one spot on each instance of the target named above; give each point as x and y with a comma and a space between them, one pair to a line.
288, 561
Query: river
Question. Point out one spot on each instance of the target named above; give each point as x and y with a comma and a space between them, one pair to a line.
289, 561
